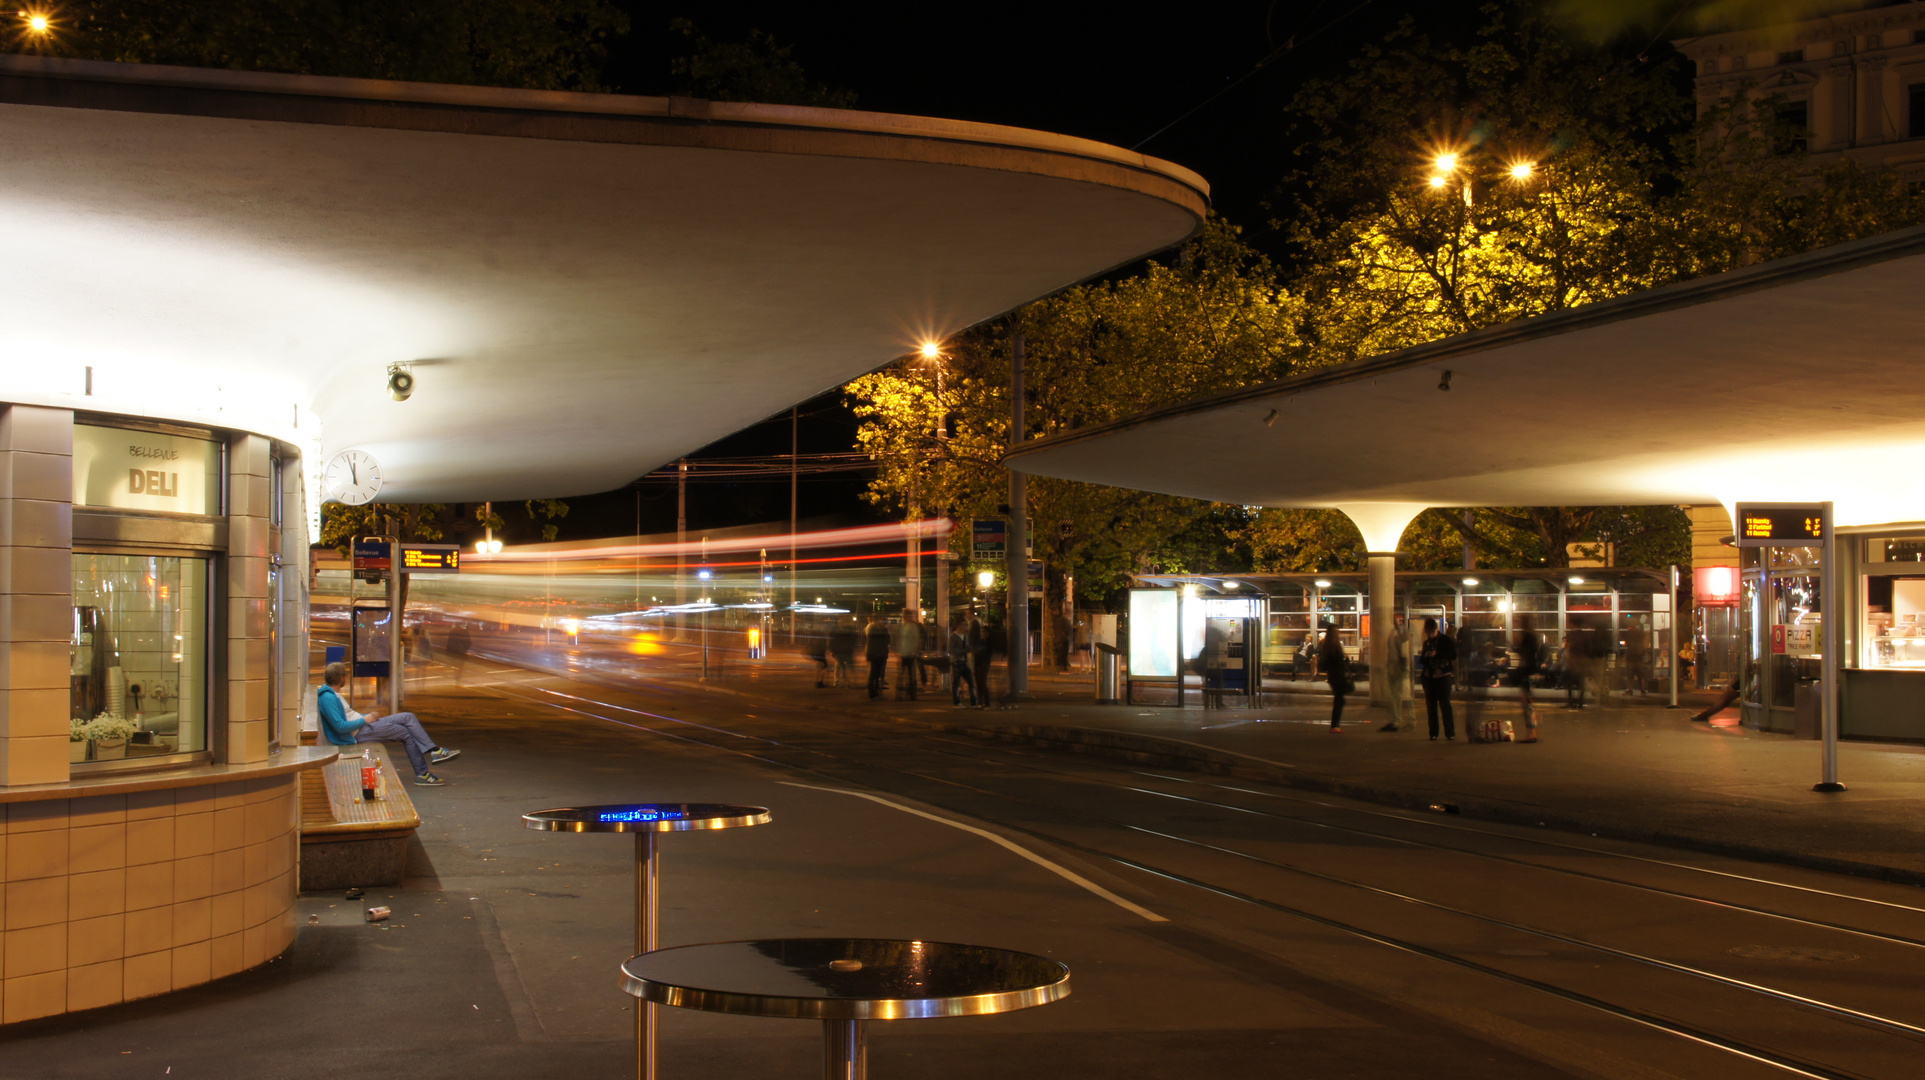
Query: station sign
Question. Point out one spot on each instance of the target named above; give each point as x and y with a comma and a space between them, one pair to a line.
990, 539
1780, 525
430, 558
372, 553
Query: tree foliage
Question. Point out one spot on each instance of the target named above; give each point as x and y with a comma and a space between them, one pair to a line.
532, 44
1212, 319
757, 69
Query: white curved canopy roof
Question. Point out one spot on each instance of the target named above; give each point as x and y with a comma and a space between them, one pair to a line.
588, 285
1795, 380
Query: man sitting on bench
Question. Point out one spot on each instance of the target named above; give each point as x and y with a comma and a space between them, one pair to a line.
343, 726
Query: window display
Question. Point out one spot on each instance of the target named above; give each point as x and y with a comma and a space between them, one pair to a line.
1894, 634
139, 657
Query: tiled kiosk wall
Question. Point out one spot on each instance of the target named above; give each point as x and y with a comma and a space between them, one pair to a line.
114, 897
118, 888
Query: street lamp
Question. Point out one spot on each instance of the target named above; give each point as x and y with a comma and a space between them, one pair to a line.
986, 580
1523, 170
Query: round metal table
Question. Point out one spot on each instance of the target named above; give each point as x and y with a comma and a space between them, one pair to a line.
845, 982
646, 820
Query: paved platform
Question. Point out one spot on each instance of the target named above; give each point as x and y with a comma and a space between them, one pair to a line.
1634, 770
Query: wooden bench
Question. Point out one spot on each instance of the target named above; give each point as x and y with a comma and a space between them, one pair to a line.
348, 841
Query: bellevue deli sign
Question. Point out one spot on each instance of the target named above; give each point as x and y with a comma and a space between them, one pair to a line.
143, 470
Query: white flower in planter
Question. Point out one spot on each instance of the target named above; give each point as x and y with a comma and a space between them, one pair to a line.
109, 728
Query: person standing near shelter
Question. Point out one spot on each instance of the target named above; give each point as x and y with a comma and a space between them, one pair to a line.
1530, 660
908, 652
959, 673
1397, 676
1215, 643
1336, 671
979, 661
1436, 669
877, 652
342, 726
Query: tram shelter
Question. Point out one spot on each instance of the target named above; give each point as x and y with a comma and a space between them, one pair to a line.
1789, 381
218, 282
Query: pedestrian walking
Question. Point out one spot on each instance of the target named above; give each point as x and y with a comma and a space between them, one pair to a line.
816, 648
979, 661
458, 645
1397, 676
1336, 671
877, 653
1436, 669
1530, 660
843, 640
1571, 672
959, 673
935, 653
998, 636
908, 652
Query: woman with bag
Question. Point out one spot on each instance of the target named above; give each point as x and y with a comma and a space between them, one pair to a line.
1336, 670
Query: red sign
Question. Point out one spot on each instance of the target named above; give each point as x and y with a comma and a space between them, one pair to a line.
1777, 639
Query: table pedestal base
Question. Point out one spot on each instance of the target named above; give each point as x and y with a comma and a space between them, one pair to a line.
845, 1050
648, 938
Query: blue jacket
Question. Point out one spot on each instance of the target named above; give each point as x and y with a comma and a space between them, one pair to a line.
335, 725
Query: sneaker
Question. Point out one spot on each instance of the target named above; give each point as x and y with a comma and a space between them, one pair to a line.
428, 779
441, 754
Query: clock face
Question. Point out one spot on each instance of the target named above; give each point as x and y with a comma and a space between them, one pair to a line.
353, 477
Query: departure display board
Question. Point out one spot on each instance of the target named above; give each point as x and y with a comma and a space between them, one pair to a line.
1780, 524
431, 558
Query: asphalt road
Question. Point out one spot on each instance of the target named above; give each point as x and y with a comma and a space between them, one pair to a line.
1213, 927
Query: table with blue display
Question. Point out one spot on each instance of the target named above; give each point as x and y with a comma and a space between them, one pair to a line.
845, 983
646, 820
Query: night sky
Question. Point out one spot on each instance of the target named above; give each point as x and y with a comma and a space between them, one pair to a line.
1101, 71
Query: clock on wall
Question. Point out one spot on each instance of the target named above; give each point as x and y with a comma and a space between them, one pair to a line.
353, 477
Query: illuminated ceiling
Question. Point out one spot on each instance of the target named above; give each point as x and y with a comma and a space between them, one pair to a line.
587, 285
1801, 379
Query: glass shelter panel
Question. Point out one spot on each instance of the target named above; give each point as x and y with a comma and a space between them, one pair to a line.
139, 656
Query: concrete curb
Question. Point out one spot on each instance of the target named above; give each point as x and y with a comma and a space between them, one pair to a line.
1179, 754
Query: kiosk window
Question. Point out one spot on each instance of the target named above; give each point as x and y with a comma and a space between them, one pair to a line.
1894, 629
139, 656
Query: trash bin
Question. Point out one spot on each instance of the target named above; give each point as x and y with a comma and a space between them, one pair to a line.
1109, 666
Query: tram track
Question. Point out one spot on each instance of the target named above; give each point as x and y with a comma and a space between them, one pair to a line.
1025, 760
822, 762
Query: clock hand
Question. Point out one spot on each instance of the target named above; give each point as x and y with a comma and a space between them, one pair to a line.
354, 473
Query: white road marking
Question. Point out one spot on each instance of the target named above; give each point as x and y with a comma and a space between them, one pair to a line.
1062, 871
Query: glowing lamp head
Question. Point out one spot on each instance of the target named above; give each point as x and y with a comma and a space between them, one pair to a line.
1445, 162
1523, 170
38, 23
768, 577
1322, 584
985, 579
1575, 580
1470, 581
931, 350
1438, 181
703, 574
